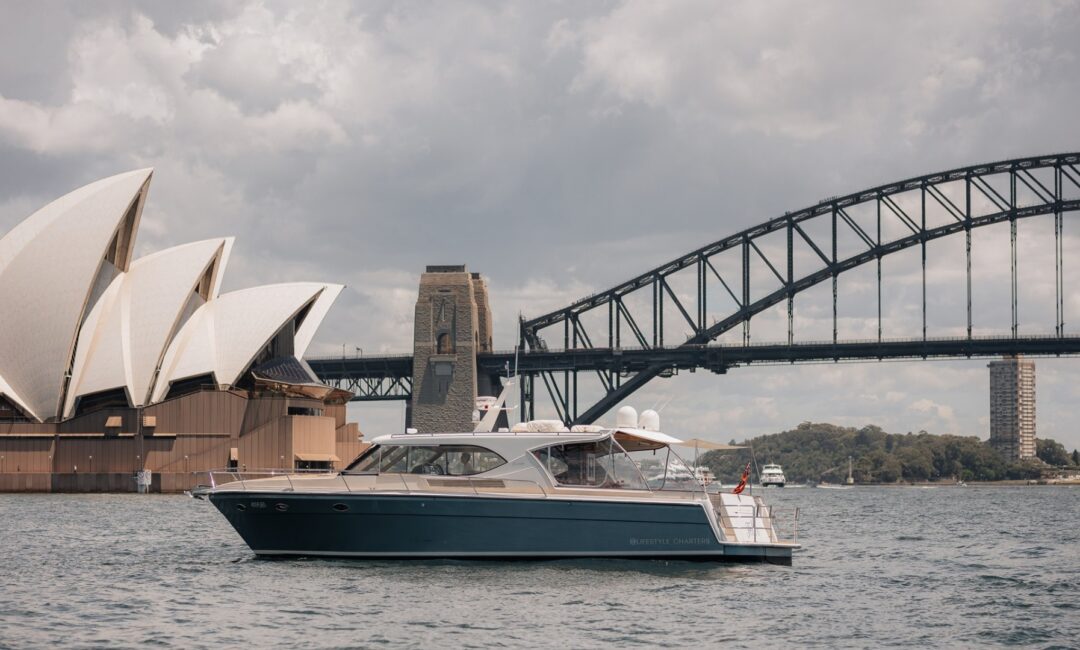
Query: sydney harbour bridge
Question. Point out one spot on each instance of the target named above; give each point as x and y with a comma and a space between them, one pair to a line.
697, 310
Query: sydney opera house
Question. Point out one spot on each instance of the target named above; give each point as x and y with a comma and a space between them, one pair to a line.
110, 365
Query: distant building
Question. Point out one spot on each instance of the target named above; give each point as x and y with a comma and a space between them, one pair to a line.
1012, 407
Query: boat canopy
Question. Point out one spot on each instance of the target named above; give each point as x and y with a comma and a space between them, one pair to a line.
635, 439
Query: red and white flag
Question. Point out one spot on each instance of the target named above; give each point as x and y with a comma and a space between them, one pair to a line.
742, 482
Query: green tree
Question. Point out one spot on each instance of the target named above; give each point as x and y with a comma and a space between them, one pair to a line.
1024, 469
1051, 452
916, 463
813, 452
1076, 457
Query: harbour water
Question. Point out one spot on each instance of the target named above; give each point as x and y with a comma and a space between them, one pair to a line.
908, 567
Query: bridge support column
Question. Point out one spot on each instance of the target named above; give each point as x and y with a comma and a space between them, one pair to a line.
452, 324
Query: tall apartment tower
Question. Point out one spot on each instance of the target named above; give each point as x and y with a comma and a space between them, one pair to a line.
1012, 407
452, 325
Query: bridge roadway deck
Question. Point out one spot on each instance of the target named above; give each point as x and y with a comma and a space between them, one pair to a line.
397, 369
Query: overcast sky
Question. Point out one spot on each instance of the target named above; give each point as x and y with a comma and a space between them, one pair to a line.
559, 148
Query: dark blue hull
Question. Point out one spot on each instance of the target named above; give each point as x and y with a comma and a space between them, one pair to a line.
427, 526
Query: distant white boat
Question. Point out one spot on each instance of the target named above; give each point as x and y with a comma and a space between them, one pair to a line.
772, 475
704, 475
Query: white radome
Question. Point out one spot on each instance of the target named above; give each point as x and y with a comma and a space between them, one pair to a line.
626, 417
649, 420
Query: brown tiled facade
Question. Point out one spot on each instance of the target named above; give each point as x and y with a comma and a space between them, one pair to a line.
177, 440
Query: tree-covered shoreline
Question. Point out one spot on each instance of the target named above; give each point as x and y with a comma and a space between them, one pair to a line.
818, 452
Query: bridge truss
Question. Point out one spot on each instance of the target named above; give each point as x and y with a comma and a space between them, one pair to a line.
670, 317
370, 379
902, 215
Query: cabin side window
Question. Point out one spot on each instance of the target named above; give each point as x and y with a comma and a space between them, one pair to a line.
380, 459
368, 461
466, 460
438, 460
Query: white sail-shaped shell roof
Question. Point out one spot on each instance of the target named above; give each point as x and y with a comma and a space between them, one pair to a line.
83, 319
122, 346
225, 335
306, 332
52, 267
8, 392
100, 338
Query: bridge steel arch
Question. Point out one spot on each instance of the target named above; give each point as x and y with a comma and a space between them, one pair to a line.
965, 198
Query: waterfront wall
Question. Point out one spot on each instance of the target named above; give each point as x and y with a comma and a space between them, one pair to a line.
98, 482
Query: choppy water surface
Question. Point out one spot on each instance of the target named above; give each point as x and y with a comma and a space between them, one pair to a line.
881, 567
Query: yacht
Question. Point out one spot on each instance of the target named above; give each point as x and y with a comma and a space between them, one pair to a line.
539, 490
772, 475
704, 475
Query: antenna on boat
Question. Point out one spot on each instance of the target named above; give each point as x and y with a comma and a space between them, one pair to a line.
486, 424
753, 459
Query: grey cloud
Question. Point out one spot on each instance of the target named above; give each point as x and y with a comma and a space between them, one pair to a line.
558, 148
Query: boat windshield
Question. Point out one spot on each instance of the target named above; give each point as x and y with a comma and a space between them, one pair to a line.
601, 463
442, 460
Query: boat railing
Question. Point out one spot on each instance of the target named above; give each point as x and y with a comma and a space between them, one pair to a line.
428, 483
220, 477
783, 521
761, 523
383, 482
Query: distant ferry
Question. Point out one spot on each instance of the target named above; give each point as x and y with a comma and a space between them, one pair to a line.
772, 475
